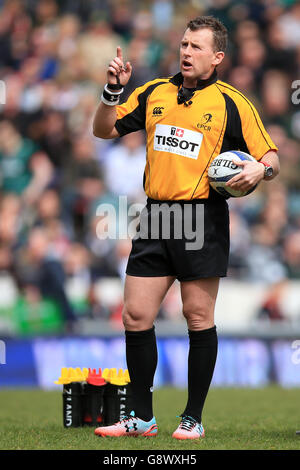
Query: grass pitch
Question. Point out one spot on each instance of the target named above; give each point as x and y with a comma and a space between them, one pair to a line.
233, 419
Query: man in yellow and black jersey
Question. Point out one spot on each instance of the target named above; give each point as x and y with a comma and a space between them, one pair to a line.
189, 119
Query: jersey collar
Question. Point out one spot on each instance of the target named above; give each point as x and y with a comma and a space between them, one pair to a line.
178, 80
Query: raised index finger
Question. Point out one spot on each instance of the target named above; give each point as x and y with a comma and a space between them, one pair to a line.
119, 52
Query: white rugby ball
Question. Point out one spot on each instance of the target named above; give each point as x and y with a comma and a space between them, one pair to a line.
222, 169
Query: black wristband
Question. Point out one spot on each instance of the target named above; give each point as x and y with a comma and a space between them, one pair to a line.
115, 86
110, 98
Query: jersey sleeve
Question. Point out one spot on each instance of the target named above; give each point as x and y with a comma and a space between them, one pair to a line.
131, 116
255, 135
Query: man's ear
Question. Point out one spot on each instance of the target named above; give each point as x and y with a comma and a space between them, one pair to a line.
219, 56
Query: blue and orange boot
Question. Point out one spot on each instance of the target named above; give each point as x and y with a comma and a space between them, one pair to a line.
189, 428
129, 426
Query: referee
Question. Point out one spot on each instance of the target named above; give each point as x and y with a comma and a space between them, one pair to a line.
189, 119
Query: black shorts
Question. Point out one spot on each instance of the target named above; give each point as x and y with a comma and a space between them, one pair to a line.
167, 250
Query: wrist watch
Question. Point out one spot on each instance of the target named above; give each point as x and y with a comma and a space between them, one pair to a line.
268, 170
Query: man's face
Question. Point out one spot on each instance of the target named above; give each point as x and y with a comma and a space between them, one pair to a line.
197, 56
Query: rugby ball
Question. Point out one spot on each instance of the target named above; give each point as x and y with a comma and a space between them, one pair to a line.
222, 169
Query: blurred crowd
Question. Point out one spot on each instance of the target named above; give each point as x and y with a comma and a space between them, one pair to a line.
54, 173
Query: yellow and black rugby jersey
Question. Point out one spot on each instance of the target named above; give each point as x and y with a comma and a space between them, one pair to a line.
183, 140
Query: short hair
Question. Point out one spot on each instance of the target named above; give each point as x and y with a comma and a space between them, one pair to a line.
220, 33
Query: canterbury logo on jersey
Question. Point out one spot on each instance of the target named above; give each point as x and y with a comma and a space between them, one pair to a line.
157, 111
177, 140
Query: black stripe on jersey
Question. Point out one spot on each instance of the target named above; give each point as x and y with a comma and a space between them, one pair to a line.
236, 91
233, 137
144, 175
135, 120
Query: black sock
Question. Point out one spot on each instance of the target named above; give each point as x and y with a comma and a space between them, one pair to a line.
201, 364
141, 355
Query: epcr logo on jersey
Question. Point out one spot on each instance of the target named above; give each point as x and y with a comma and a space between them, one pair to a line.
296, 353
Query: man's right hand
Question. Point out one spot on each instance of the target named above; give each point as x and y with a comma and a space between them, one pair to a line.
116, 70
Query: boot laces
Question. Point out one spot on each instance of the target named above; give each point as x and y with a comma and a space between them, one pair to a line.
188, 423
127, 418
